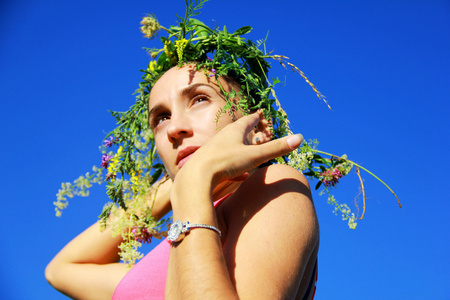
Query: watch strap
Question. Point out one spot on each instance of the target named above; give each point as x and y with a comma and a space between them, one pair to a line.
179, 229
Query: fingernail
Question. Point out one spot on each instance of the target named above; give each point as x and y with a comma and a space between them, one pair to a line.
295, 140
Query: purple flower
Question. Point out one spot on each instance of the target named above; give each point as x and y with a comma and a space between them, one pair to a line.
331, 177
142, 235
214, 72
105, 160
110, 142
110, 177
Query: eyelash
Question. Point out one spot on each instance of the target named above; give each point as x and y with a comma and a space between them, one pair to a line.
154, 122
200, 97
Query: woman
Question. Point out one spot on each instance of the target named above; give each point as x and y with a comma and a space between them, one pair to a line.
260, 258
269, 231
253, 232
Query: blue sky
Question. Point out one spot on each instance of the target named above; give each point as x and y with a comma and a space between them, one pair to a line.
384, 67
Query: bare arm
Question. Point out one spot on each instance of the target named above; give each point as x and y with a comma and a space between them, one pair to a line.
270, 239
273, 235
88, 267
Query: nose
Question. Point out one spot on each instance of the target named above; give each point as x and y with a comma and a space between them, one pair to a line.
180, 127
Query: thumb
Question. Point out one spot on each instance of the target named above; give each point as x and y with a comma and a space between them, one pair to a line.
280, 147
295, 140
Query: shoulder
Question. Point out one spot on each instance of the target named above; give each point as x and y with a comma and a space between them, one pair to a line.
277, 194
272, 185
278, 172
272, 231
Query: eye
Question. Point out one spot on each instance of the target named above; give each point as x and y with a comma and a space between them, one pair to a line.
200, 98
157, 120
161, 119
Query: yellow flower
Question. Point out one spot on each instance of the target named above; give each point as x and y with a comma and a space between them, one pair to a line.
166, 49
112, 167
152, 68
169, 53
150, 26
180, 45
135, 180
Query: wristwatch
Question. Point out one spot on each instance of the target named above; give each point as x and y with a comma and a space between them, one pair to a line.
178, 230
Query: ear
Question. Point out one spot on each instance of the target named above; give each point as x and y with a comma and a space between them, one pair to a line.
262, 132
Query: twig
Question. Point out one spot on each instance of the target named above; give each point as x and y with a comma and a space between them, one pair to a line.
363, 192
357, 165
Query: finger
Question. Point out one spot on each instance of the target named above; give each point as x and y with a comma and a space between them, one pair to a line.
294, 141
249, 122
279, 147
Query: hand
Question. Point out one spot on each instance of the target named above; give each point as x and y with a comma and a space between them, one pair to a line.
228, 156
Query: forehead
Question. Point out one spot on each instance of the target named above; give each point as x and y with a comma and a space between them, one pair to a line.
175, 80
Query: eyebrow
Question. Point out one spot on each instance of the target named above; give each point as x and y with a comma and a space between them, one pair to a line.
154, 110
185, 91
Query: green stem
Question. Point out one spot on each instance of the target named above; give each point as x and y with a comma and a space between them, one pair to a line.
185, 20
164, 28
361, 167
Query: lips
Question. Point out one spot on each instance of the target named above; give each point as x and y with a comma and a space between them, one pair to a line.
184, 155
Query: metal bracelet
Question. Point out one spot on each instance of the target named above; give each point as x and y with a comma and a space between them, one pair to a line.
191, 226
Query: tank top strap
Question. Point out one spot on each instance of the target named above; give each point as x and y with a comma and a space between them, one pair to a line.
220, 201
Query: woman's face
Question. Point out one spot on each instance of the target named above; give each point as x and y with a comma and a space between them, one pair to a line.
183, 109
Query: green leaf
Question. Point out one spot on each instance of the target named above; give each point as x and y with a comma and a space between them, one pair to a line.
243, 30
202, 32
175, 28
317, 156
318, 185
156, 176
105, 214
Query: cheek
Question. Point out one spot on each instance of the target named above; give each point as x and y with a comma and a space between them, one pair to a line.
204, 122
163, 152
169, 171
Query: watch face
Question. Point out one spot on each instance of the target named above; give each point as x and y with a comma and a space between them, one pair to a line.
174, 231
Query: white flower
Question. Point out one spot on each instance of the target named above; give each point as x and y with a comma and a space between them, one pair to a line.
150, 26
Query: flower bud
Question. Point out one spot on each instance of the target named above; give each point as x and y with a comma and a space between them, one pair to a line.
150, 26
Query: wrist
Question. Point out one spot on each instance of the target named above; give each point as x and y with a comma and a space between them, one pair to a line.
178, 230
195, 176
190, 195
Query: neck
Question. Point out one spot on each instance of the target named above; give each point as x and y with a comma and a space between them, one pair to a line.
224, 189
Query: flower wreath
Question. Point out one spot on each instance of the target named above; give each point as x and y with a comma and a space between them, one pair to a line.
134, 168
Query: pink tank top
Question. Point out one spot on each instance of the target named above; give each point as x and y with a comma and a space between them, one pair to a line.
147, 279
